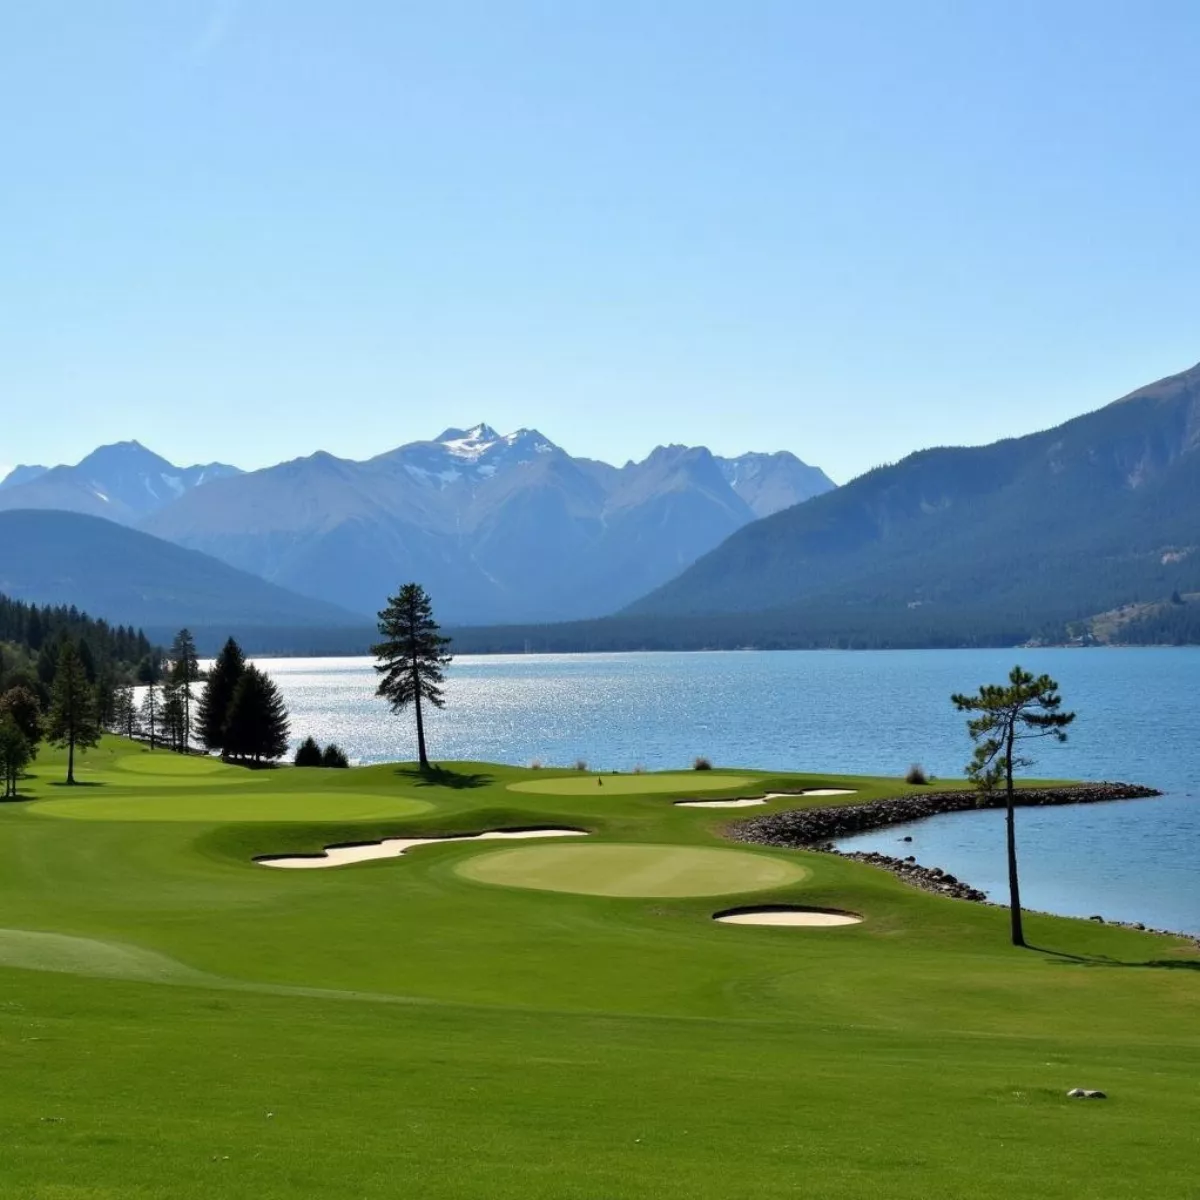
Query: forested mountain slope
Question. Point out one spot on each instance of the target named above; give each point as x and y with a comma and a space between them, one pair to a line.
1032, 531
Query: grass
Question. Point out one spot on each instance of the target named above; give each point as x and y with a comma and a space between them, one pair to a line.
177, 1021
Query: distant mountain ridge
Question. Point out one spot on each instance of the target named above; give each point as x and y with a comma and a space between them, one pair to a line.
1033, 533
123, 482
498, 526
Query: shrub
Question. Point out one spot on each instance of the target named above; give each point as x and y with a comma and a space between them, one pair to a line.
639, 769
916, 774
334, 756
536, 765
308, 754
580, 764
702, 764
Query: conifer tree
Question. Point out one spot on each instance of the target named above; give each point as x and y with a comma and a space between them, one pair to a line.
308, 754
71, 721
151, 714
334, 756
185, 670
173, 715
125, 720
257, 725
212, 712
411, 658
15, 754
1026, 708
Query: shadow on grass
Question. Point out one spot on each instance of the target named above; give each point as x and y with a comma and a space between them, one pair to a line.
1102, 960
436, 776
79, 783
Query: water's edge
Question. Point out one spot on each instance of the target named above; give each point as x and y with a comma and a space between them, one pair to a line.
815, 829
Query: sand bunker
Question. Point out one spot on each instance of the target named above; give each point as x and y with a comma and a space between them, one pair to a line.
783, 915
748, 803
341, 856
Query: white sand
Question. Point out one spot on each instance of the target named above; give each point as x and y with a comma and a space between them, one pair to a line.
341, 856
761, 799
721, 803
789, 916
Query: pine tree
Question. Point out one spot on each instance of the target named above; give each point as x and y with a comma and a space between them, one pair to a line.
1027, 708
173, 715
15, 754
185, 670
257, 725
72, 719
125, 719
411, 658
212, 712
334, 756
308, 754
151, 714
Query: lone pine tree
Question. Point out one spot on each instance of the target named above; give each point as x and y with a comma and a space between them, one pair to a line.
411, 658
71, 721
1025, 708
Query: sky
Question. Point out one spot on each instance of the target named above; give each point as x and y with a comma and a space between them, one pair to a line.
245, 230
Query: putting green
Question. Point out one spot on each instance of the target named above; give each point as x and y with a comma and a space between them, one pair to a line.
620, 870
680, 782
226, 807
163, 762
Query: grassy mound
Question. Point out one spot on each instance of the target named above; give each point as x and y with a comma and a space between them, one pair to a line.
676, 782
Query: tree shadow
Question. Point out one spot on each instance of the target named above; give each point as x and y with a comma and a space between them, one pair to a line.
1103, 960
436, 776
79, 783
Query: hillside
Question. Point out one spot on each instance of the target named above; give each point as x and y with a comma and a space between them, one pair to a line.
1018, 537
123, 575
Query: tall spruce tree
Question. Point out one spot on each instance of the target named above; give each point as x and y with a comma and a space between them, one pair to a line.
256, 728
71, 721
125, 719
212, 712
411, 658
1025, 708
173, 717
152, 713
185, 670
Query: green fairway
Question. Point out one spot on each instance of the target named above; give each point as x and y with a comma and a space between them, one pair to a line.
679, 783
548, 1021
631, 870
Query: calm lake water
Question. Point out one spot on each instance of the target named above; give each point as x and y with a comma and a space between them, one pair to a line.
854, 712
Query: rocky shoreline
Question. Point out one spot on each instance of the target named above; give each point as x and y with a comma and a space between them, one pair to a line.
816, 829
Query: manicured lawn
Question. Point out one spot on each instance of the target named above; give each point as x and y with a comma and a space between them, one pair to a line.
474, 1020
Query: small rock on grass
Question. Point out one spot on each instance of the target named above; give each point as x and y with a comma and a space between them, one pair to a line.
1086, 1094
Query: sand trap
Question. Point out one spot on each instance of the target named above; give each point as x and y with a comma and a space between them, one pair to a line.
341, 856
780, 915
749, 803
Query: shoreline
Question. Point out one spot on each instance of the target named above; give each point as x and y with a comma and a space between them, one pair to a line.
817, 829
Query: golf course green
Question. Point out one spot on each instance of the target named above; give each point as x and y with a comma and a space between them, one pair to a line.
547, 1020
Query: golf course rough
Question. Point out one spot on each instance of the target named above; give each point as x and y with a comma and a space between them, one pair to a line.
632, 870
177, 1021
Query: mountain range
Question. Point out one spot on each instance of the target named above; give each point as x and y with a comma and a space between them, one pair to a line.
497, 527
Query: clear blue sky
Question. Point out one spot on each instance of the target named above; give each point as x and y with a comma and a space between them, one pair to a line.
248, 229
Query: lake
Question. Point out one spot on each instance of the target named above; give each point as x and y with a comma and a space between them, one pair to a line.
855, 712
